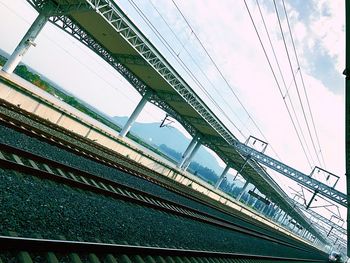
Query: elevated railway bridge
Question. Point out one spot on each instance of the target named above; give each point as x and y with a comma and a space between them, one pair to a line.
103, 27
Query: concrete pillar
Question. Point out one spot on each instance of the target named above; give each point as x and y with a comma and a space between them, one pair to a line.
188, 150
303, 231
134, 115
279, 215
240, 171
270, 211
25, 43
242, 191
267, 209
249, 198
191, 155
276, 213
222, 177
254, 203
285, 222
307, 235
263, 207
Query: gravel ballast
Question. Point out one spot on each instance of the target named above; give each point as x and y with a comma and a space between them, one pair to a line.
30, 206
47, 150
137, 227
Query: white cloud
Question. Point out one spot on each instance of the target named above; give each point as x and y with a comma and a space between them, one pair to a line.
328, 28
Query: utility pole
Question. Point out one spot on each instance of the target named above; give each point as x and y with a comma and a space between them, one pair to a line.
347, 107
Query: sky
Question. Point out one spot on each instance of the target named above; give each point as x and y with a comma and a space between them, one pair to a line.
226, 31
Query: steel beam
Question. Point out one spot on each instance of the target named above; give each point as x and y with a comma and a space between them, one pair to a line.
292, 173
131, 59
117, 19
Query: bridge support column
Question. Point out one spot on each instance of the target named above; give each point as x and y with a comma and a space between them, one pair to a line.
266, 208
285, 220
240, 170
263, 207
282, 216
271, 210
239, 196
303, 232
134, 115
275, 214
191, 155
222, 177
254, 203
25, 43
188, 150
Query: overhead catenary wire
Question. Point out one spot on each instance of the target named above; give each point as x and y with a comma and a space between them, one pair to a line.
285, 96
276, 80
196, 63
172, 51
295, 82
224, 78
303, 83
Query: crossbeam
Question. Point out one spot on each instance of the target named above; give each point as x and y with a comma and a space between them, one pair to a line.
292, 173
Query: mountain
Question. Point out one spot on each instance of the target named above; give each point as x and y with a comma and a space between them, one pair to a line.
172, 138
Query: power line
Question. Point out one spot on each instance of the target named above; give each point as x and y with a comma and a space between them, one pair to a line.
276, 80
196, 63
172, 51
303, 83
295, 82
223, 77
284, 83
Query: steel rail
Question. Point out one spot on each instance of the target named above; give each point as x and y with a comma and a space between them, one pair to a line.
137, 169
79, 179
50, 245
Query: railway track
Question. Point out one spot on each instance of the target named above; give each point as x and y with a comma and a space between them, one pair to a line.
45, 250
23, 121
26, 162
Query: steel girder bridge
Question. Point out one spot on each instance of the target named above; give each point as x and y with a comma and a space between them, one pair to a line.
103, 27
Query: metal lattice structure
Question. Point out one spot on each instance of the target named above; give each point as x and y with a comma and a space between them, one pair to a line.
323, 219
293, 174
104, 28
